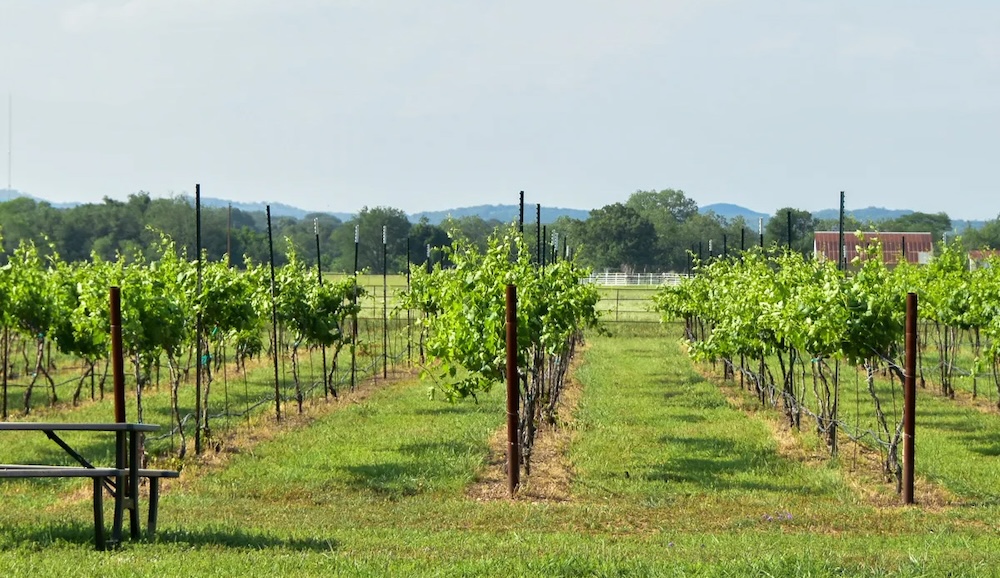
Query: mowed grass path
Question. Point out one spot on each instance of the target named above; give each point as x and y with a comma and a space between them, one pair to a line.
671, 480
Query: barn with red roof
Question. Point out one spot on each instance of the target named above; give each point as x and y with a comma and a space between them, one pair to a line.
919, 247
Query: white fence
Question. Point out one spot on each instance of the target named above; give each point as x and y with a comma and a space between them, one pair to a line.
617, 279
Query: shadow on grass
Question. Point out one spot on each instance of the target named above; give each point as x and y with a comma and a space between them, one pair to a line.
673, 381
453, 409
97, 449
688, 417
237, 539
426, 450
393, 480
429, 465
946, 420
713, 463
983, 444
39, 537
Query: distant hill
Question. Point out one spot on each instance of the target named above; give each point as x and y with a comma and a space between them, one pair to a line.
879, 214
730, 211
277, 209
865, 215
959, 225
502, 213
10, 194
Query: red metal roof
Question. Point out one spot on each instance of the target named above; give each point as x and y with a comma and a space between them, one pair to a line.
983, 254
826, 244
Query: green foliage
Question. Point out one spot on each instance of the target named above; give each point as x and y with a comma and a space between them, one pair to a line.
803, 227
30, 304
370, 223
758, 304
315, 313
69, 304
619, 237
987, 236
82, 292
466, 321
937, 224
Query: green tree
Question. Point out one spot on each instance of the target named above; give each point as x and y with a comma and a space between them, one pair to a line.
851, 224
302, 236
987, 236
658, 205
33, 308
25, 219
737, 230
937, 224
618, 237
669, 211
571, 233
803, 227
474, 228
424, 235
369, 223
698, 232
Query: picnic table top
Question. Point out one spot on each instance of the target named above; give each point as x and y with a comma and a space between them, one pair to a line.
49, 426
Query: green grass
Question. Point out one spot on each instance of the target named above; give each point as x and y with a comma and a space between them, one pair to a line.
956, 441
236, 397
628, 304
377, 488
687, 442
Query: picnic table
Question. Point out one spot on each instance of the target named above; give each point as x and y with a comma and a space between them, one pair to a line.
122, 480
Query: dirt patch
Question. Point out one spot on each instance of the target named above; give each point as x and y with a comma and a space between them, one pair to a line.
551, 469
862, 469
982, 403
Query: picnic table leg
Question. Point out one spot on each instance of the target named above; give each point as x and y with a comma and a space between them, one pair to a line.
99, 514
133, 484
154, 501
120, 461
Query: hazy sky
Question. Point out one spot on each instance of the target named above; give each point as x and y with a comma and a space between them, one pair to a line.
333, 105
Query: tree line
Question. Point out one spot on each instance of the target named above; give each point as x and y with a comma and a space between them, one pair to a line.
651, 231
132, 228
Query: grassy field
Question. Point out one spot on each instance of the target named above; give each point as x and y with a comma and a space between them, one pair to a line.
673, 475
628, 304
625, 304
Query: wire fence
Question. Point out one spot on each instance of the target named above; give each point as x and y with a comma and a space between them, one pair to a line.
616, 279
238, 391
234, 391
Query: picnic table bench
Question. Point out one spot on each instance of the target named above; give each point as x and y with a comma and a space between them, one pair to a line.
122, 480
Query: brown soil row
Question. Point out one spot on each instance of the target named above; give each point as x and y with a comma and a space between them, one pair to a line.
551, 469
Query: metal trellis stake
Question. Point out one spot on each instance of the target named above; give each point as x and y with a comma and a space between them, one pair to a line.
354, 305
117, 354
520, 215
513, 446
909, 396
841, 258
198, 329
409, 316
319, 279
538, 233
274, 320
385, 304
